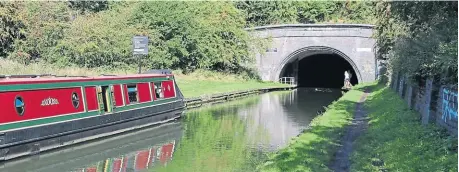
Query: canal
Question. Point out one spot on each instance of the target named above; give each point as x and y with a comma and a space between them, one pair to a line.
233, 136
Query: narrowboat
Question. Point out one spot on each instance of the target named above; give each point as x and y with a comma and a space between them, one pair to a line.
44, 112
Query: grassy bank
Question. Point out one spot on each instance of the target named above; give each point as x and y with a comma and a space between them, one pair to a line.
205, 83
192, 85
396, 140
315, 148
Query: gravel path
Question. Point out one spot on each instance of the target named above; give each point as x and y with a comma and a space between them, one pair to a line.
358, 126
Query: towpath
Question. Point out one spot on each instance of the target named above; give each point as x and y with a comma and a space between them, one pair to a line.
359, 124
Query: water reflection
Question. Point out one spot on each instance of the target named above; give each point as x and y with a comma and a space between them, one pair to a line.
233, 136
285, 115
128, 152
134, 161
236, 136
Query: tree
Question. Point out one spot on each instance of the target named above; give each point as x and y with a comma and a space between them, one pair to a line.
11, 27
260, 13
419, 38
44, 25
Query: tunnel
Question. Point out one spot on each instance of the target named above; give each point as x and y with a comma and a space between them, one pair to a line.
320, 71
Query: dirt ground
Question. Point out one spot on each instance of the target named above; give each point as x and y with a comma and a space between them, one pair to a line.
358, 126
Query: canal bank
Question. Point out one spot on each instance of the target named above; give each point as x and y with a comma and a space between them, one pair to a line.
394, 140
195, 102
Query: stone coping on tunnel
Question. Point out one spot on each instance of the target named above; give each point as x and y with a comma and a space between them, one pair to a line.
368, 26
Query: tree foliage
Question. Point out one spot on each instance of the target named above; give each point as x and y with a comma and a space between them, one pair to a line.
88, 6
419, 38
182, 35
192, 35
11, 27
259, 13
102, 39
335, 12
45, 23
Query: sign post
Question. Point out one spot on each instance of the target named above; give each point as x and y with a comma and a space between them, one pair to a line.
140, 47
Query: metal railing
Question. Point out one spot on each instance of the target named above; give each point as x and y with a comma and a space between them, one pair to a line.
287, 80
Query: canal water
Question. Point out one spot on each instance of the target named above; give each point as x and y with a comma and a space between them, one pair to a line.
232, 136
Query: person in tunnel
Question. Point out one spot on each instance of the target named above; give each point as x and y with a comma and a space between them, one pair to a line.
324, 71
347, 79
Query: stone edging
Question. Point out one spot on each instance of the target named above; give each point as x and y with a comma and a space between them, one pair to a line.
310, 26
195, 102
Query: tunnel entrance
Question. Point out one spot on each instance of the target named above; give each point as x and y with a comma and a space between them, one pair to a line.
321, 71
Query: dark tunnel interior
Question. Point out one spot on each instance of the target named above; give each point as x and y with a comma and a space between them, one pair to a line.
323, 71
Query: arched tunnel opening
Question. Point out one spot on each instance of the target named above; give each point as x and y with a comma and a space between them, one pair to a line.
321, 71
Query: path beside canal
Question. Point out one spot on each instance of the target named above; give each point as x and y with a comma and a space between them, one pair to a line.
358, 125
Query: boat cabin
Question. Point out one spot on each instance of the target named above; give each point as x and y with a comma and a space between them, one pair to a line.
32, 100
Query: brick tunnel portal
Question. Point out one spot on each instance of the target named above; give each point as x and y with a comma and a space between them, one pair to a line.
320, 71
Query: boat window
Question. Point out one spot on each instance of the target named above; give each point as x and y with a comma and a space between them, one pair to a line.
158, 90
75, 100
132, 92
19, 105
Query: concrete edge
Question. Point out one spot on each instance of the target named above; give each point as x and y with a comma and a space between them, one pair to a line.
195, 102
368, 26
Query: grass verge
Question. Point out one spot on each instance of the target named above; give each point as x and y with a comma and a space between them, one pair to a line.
397, 141
194, 84
194, 88
314, 148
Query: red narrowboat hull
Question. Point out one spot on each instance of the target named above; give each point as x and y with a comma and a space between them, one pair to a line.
41, 114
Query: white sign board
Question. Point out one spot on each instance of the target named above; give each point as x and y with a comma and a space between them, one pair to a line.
140, 45
364, 49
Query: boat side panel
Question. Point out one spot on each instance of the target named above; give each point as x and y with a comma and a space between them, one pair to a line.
144, 92
91, 98
168, 87
60, 119
39, 104
91, 105
118, 95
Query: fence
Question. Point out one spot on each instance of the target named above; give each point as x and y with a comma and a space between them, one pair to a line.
436, 103
287, 80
